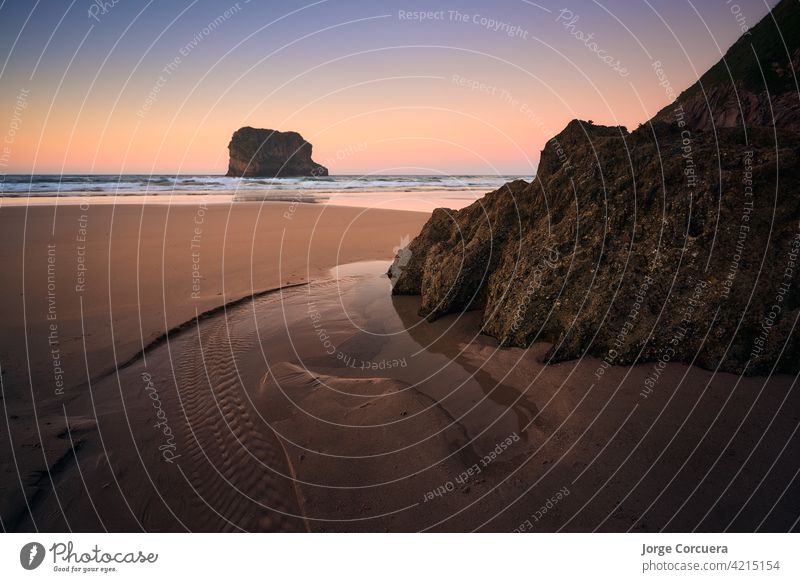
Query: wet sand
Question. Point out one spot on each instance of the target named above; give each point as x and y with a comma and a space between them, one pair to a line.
112, 279
86, 288
412, 200
331, 406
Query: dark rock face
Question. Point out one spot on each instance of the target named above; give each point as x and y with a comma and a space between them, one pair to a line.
754, 84
727, 105
668, 244
272, 154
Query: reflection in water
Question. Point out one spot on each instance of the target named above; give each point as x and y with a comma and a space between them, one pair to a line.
434, 338
388, 338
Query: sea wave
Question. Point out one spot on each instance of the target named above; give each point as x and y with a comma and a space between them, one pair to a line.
17, 185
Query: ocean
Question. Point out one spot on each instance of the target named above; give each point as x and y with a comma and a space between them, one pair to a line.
403, 191
15, 185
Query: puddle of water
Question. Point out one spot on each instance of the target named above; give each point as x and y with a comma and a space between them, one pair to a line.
349, 327
387, 338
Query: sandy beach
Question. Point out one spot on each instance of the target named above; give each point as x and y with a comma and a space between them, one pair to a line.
326, 404
110, 279
96, 283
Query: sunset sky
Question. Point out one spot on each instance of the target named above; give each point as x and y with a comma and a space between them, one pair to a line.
477, 88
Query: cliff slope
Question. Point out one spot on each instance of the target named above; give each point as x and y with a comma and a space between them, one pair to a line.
670, 243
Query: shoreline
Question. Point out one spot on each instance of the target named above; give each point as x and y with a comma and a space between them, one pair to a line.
110, 279
391, 199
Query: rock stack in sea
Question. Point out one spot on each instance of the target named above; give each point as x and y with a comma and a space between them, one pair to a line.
272, 154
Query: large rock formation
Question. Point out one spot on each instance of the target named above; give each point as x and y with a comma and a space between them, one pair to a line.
669, 243
270, 153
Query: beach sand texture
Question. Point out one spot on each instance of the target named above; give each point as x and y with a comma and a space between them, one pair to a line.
326, 404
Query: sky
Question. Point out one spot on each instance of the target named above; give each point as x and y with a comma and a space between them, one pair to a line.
409, 87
